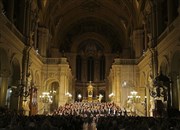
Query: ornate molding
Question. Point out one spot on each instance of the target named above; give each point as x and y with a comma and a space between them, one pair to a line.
90, 5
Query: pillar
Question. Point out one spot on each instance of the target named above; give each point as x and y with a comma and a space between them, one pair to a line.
27, 21
154, 24
147, 102
1, 6
154, 62
160, 23
62, 89
170, 11
21, 23
10, 10
179, 8
178, 86
138, 39
145, 36
116, 88
3, 90
64, 67
43, 39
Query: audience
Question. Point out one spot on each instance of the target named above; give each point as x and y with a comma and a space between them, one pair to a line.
85, 116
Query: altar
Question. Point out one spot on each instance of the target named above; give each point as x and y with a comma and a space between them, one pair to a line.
90, 93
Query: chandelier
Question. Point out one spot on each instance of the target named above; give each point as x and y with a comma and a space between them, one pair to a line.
46, 97
134, 98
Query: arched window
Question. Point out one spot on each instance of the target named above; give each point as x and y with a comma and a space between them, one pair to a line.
102, 68
78, 68
90, 69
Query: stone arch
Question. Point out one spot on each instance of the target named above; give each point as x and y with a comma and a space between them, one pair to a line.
13, 83
49, 81
164, 65
95, 36
47, 86
15, 72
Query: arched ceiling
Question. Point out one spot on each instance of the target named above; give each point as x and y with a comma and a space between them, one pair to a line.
112, 19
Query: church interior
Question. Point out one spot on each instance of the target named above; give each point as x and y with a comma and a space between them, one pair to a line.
59, 52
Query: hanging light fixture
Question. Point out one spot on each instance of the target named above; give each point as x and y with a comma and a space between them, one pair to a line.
134, 98
46, 97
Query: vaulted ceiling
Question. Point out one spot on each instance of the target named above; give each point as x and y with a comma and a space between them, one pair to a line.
113, 20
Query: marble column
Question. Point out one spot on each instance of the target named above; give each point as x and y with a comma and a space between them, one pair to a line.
154, 62
3, 91
178, 87
27, 21
63, 98
154, 24
145, 36
43, 39
170, 11
116, 69
118, 86
179, 8
10, 10
1, 6
138, 39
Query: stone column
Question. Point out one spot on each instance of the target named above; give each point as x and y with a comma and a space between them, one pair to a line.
178, 87
160, 20
170, 11
10, 10
138, 39
3, 88
116, 87
154, 25
35, 36
27, 21
179, 8
1, 6
145, 36
147, 102
43, 39
154, 62
63, 81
